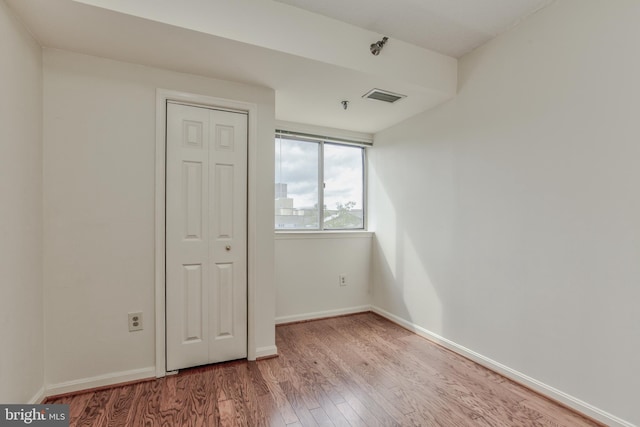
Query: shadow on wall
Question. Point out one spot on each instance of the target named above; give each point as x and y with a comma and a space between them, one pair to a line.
398, 278
407, 220
440, 258
513, 243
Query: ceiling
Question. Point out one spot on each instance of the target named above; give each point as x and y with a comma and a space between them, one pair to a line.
312, 59
451, 27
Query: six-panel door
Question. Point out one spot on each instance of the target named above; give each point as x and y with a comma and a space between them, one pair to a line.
206, 236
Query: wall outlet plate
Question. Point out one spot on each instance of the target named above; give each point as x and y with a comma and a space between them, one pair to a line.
135, 321
342, 280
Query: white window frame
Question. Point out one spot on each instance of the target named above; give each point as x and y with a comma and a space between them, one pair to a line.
362, 143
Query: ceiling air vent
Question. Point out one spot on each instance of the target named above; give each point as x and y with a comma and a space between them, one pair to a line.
383, 95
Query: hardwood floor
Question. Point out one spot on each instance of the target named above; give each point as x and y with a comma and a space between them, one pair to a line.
359, 370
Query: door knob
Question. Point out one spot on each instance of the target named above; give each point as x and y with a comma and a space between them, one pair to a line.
228, 247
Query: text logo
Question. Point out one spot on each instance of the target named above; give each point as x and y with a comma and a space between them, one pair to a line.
34, 415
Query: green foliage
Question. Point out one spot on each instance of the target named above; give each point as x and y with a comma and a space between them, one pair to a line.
342, 217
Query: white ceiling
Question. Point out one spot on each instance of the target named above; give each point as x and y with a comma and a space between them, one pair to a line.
451, 27
311, 61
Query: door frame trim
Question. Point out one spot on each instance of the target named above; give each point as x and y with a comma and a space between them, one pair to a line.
162, 96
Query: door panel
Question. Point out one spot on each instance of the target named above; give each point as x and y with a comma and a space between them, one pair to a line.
192, 200
206, 236
224, 279
223, 202
228, 297
192, 282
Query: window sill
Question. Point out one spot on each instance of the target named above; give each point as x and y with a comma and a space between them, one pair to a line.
338, 234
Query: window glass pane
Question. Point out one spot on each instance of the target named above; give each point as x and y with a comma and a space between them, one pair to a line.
296, 184
343, 192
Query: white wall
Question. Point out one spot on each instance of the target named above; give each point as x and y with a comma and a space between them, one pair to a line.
21, 324
307, 269
99, 171
508, 220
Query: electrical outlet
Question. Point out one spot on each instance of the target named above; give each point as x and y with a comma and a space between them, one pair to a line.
342, 280
135, 321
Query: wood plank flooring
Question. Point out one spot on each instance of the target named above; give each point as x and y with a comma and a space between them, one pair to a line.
358, 370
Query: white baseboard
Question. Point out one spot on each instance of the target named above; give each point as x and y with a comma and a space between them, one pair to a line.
544, 389
262, 352
38, 397
101, 381
321, 314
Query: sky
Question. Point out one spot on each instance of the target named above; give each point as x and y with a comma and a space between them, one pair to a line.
297, 166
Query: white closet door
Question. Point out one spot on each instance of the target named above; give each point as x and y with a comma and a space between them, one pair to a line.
206, 236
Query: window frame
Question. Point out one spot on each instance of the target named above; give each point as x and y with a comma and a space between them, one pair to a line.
321, 141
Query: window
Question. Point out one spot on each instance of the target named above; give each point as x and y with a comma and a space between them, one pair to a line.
319, 184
